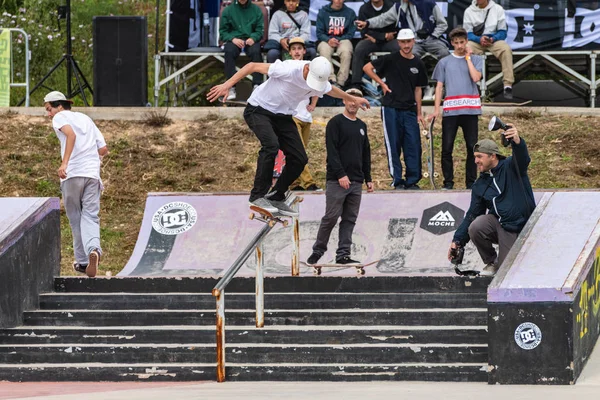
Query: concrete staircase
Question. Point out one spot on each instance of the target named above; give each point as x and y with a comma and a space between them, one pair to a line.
316, 328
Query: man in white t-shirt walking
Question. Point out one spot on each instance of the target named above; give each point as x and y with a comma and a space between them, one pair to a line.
269, 115
81, 146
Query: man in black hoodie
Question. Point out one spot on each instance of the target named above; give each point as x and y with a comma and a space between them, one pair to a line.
501, 201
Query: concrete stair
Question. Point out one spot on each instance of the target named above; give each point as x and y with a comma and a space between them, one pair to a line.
316, 328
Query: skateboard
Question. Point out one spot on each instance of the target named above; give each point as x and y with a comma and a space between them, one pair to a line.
278, 166
431, 174
270, 218
502, 104
360, 268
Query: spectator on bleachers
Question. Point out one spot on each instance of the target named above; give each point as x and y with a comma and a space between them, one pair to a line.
425, 19
373, 39
288, 23
485, 23
335, 29
241, 29
278, 4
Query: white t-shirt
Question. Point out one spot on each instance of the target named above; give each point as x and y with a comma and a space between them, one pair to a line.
285, 88
84, 161
302, 113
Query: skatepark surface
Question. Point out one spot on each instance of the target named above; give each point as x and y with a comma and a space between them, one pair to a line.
588, 386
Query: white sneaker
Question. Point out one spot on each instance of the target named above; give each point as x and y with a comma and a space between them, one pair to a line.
489, 270
429, 93
232, 94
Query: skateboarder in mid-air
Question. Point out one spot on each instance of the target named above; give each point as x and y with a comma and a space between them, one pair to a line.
348, 166
269, 115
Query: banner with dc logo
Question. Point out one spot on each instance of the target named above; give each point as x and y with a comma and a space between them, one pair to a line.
532, 24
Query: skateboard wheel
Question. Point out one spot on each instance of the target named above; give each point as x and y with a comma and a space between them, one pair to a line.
272, 223
424, 133
285, 222
436, 175
360, 271
317, 271
251, 216
426, 174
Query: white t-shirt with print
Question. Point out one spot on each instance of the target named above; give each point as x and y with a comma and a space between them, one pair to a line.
285, 88
84, 161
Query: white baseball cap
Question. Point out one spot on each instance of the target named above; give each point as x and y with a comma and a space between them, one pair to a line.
318, 73
405, 34
56, 96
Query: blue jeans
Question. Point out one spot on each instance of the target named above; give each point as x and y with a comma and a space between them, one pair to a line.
402, 135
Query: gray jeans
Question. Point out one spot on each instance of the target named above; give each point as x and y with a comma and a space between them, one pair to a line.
81, 197
431, 45
485, 231
339, 202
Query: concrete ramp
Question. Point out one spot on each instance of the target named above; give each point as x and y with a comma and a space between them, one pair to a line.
202, 234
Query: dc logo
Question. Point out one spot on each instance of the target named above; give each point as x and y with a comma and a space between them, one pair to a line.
414, 70
528, 335
174, 218
362, 132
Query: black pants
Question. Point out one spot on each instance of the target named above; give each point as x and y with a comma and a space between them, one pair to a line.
362, 50
232, 52
275, 131
450, 126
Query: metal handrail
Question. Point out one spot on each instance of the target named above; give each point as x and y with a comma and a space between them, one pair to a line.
219, 290
27, 58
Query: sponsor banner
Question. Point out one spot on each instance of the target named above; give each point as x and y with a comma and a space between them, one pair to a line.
4, 68
532, 24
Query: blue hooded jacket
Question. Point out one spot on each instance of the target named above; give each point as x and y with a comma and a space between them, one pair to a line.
500, 192
425, 11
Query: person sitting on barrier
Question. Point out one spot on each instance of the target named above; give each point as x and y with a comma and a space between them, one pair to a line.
348, 166
503, 190
286, 24
269, 115
425, 19
81, 146
241, 29
303, 120
485, 22
335, 30
459, 73
374, 39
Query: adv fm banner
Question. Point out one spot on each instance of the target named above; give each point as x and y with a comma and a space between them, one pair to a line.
532, 24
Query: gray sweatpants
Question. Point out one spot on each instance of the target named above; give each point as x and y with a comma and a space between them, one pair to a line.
485, 231
339, 202
81, 197
431, 45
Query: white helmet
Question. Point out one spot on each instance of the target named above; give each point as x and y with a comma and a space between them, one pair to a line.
405, 34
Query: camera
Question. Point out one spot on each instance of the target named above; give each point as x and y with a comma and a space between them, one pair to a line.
457, 254
495, 124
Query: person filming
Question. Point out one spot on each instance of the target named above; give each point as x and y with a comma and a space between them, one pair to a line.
501, 201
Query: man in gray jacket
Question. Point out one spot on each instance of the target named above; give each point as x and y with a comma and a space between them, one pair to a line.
425, 19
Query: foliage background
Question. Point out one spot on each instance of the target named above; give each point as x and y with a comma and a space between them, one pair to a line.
47, 38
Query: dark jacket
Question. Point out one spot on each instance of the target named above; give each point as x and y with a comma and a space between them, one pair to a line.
500, 192
367, 12
329, 23
242, 22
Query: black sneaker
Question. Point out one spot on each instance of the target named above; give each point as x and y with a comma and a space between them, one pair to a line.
313, 259
314, 188
399, 187
346, 260
412, 187
448, 186
508, 93
297, 188
79, 267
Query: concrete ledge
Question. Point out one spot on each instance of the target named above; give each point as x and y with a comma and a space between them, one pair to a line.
29, 254
193, 113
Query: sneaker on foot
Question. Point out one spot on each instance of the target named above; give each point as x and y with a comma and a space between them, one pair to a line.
346, 260
232, 94
508, 95
93, 262
412, 187
79, 267
313, 259
448, 186
314, 188
489, 270
297, 188
283, 208
264, 204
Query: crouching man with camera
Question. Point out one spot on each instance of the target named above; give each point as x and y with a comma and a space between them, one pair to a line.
501, 201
